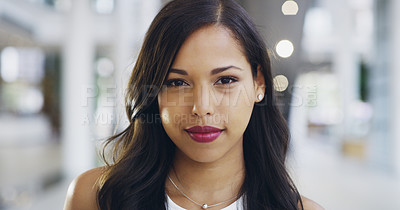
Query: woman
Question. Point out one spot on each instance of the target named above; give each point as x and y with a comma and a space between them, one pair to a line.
204, 132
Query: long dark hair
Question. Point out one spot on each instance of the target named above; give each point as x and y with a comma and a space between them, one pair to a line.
143, 152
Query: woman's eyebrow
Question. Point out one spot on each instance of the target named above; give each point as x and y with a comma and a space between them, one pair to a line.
214, 71
221, 69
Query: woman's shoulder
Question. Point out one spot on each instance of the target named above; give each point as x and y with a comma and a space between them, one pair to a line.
82, 192
309, 204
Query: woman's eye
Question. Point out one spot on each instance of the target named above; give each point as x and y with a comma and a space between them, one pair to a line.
226, 80
175, 83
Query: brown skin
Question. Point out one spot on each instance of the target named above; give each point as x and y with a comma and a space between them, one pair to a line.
214, 171
82, 193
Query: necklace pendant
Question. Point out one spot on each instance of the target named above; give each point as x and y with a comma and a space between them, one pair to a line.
204, 206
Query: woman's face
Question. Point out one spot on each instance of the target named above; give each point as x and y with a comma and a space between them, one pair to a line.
209, 84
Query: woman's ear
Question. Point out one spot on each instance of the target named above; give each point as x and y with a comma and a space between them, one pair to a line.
259, 84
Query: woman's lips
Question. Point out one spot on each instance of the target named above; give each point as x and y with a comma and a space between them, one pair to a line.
204, 134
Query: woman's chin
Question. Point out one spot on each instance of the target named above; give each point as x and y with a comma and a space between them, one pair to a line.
204, 156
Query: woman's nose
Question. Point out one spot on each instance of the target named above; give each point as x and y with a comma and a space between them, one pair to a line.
203, 103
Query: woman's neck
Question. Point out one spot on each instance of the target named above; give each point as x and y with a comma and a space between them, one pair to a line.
213, 181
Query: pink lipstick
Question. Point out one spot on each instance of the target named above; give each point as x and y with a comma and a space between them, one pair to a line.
204, 134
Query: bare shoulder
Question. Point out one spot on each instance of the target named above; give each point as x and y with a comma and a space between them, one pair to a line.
309, 204
82, 192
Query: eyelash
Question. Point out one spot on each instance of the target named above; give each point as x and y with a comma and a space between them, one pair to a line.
170, 82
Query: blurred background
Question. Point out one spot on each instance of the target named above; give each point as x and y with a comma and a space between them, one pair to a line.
64, 65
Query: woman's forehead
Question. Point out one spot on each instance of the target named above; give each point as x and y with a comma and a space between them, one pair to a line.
211, 45
217, 35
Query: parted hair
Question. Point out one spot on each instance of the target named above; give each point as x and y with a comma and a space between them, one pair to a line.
142, 154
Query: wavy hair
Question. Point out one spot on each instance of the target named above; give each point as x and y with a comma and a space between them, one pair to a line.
143, 153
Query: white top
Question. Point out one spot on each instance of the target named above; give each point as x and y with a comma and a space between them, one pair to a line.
237, 205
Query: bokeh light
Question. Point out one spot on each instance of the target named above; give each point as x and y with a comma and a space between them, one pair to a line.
105, 67
284, 48
290, 7
281, 83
